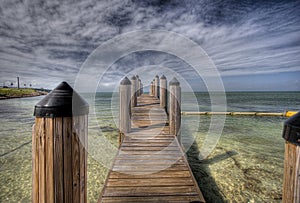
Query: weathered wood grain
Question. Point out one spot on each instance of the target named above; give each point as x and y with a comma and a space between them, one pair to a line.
49, 160
291, 180
58, 160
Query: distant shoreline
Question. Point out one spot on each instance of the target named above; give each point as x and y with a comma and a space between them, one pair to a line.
10, 93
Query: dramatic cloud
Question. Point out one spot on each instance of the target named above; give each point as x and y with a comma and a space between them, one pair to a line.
45, 42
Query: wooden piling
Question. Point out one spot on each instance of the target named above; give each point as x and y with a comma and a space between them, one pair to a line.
140, 87
175, 107
156, 86
291, 180
137, 85
125, 110
59, 147
151, 89
163, 91
133, 92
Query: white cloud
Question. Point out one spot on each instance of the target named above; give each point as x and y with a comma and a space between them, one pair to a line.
50, 39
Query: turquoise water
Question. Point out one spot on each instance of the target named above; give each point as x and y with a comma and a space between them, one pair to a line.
246, 165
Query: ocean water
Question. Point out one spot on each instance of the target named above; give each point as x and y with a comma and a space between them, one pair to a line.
245, 164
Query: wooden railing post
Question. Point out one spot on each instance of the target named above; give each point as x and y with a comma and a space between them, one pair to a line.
125, 94
140, 87
151, 89
156, 86
133, 92
175, 107
59, 147
137, 85
291, 180
163, 91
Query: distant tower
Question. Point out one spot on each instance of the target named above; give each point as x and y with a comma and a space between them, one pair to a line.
18, 79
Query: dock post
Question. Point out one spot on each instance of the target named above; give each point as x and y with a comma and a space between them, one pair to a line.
163, 91
137, 85
124, 122
59, 147
156, 86
151, 89
291, 180
140, 87
133, 92
175, 107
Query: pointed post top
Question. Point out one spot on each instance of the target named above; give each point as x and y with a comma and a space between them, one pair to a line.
125, 81
137, 76
174, 82
163, 77
156, 76
63, 101
133, 78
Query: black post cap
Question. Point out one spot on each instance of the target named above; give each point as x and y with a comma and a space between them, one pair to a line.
174, 82
125, 81
63, 101
291, 130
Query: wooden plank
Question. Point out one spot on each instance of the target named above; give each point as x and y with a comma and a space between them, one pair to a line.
82, 158
146, 169
150, 182
42, 184
149, 144
130, 191
68, 179
149, 148
165, 152
147, 161
173, 199
49, 160
75, 159
35, 162
86, 155
160, 174
58, 160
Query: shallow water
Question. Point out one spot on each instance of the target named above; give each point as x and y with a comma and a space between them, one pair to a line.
245, 166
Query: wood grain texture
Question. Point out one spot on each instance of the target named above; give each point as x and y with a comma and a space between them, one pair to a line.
68, 171
42, 176
163, 93
150, 165
291, 186
49, 131
58, 160
35, 163
75, 159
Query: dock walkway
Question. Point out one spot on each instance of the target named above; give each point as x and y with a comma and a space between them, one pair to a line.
150, 165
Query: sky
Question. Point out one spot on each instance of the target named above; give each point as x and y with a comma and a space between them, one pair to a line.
255, 45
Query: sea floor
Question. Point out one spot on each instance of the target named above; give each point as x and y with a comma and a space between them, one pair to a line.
245, 166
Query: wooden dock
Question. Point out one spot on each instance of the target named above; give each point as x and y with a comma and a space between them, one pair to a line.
150, 165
